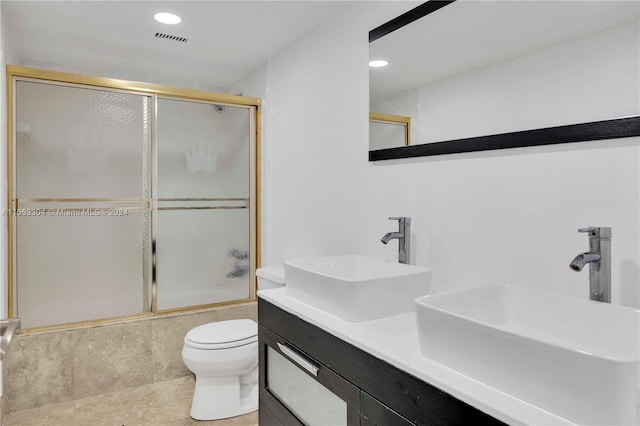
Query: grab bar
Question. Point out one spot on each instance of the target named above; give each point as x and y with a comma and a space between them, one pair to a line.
8, 327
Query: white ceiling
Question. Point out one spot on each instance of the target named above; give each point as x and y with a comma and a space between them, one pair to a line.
468, 35
227, 39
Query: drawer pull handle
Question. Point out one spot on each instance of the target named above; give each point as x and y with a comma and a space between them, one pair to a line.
298, 359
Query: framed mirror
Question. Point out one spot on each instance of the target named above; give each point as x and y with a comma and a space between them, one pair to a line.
481, 75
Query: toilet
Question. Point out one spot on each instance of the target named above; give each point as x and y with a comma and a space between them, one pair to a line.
223, 356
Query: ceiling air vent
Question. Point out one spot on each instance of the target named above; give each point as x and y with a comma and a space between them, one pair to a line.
171, 37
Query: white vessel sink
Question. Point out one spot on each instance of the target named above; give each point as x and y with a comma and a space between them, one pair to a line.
576, 358
356, 288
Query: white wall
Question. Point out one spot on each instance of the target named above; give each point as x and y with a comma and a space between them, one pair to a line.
255, 85
499, 217
316, 122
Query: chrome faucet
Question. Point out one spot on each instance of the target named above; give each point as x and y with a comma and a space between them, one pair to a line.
599, 259
403, 236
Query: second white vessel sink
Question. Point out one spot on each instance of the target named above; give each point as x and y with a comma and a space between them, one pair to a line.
356, 288
573, 357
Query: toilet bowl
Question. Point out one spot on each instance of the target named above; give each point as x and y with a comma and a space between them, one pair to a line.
224, 358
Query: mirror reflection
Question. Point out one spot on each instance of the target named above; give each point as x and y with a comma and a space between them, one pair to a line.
476, 68
388, 131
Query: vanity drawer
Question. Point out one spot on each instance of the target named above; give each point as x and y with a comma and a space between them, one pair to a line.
297, 389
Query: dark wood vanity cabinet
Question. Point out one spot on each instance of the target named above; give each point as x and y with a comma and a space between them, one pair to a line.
375, 413
353, 385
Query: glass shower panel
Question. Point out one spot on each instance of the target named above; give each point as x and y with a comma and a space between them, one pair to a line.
202, 257
78, 142
203, 192
76, 267
82, 184
203, 150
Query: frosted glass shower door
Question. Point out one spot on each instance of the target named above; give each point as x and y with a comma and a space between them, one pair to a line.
81, 195
203, 226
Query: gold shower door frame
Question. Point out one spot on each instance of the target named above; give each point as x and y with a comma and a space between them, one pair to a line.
15, 73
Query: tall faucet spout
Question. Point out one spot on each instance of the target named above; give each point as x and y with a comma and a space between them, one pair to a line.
582, 259
599, 259
390, 236
403, 235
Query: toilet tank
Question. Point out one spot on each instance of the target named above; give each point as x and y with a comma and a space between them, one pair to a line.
270, 277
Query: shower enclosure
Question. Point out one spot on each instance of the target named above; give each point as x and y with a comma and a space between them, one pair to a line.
127, 199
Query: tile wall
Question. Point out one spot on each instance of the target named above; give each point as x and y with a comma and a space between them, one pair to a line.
59, 366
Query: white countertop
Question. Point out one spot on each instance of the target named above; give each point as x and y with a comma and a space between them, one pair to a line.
395, 340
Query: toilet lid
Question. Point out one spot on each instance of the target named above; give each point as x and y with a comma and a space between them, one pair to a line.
221, 332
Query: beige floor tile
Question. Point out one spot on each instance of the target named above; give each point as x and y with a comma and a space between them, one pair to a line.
52, 415
250, 419
159, 404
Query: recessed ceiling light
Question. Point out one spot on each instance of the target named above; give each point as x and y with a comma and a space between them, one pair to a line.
167, 18
377, 63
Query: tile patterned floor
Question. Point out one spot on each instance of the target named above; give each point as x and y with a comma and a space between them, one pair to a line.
159, 404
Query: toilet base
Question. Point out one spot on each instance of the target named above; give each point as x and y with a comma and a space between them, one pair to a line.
217, 398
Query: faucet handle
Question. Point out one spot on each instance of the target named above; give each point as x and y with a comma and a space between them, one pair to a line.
590, 230
401, 219
597, 231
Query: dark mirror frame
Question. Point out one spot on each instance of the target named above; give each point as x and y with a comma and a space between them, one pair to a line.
594, 130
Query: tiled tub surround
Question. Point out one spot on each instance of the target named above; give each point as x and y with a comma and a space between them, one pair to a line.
66, 365
3, 409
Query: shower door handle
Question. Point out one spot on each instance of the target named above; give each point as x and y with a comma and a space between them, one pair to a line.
8, 327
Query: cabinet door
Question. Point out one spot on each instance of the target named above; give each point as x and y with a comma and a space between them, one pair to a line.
296, 389
374, 413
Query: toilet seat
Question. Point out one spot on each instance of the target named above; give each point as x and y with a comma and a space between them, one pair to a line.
222, 335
